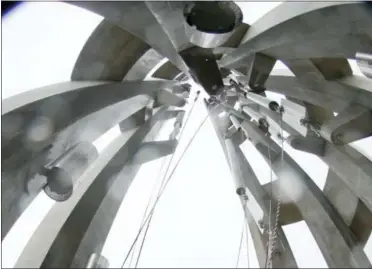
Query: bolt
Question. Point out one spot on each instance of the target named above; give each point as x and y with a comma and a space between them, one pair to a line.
303, 122
261, 223
339, 136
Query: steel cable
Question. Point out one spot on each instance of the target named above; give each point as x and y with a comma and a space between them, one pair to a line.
162, 190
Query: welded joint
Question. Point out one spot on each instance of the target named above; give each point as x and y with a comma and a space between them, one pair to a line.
259, 70
353, 123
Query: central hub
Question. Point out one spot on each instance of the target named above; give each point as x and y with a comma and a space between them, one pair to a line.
209, 24
213, 17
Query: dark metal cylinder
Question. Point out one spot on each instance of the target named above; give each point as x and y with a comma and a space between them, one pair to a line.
209, 24
63, 172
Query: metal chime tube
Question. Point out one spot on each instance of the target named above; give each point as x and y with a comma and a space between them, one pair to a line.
234, 164
235, 122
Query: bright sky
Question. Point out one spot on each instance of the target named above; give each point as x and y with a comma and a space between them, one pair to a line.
198, 221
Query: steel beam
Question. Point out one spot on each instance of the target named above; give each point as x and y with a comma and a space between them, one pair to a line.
244, 174
320, 68
351, 124
109, 54
167, 71
170, 16
50, 110
144, 65
53, 108
357, 83
337, 243
149, 151
138, 19
258, 70
96, 211
56, 228
333, 95
43, 237
15, 198
353, 168
343, 199
297, 30
362, 223
166, 97
283, 83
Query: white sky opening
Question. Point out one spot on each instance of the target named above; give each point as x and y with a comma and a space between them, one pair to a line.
354, 66
277, 97
364, 146
368, 248
252, 11
249, 251
36, 45
305, 249
155, 68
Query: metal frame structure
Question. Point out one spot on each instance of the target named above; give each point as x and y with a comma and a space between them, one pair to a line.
110, 85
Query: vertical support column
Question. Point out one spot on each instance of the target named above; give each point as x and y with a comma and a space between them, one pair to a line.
246, 180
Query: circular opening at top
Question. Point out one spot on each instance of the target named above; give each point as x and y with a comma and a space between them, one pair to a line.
213, 17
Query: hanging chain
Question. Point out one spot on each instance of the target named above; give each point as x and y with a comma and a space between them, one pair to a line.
270, 208
273, 235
